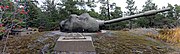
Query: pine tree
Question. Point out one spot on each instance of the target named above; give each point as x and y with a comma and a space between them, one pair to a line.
149, 5
177, 14
131, 10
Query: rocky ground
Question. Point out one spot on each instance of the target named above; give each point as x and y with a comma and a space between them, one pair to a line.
31, 44
110, 42
122, 43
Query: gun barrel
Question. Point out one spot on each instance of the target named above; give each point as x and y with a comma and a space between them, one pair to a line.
147, 13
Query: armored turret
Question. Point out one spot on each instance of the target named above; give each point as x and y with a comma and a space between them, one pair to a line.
86, 23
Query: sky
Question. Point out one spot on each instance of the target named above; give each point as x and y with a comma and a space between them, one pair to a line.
138, 3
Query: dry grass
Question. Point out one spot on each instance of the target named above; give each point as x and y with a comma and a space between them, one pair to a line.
168, 35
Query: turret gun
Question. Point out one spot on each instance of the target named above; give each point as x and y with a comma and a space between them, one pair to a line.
86, 23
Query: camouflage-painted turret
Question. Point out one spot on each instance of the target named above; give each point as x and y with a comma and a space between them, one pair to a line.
86, 23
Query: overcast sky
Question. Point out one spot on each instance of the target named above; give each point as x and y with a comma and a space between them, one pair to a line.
139, 3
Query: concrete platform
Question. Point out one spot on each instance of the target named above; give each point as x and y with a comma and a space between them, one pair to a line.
75, 45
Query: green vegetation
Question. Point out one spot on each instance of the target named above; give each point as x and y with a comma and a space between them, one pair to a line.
51, 13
